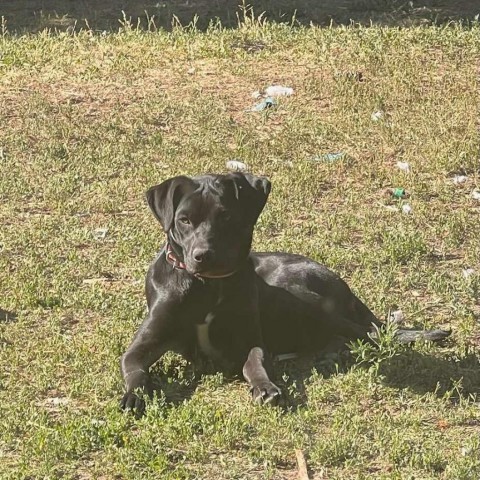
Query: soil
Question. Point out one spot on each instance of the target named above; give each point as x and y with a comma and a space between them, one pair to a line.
34, 15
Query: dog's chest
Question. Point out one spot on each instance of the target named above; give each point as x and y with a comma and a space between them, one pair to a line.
203, 338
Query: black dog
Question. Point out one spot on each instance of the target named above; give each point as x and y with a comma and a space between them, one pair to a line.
207, 290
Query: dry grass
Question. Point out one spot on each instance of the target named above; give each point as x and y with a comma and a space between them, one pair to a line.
89, 122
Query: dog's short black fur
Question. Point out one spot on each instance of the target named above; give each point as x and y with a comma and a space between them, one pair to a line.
206, 290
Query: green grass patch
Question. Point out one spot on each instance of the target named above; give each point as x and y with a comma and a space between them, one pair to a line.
89, 122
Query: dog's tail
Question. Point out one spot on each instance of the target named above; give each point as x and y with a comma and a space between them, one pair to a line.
409, 336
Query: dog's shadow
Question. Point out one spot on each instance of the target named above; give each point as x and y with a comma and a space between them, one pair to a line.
410, 369
413, 370
177, 379
426, 372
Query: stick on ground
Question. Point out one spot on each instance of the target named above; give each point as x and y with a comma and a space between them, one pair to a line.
302, 465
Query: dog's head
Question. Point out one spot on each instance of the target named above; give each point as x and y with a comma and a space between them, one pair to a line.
210, 218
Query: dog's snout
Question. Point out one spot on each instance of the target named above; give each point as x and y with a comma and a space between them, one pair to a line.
202, 255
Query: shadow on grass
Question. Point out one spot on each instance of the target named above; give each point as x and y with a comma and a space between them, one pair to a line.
6, 316
178, 378
418, 372
36, 15
176, 392
293, 376
423, 373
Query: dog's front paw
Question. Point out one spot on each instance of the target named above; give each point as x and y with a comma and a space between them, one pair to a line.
134, 403
266, 393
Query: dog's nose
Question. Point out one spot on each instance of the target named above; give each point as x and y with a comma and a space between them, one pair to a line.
202, 255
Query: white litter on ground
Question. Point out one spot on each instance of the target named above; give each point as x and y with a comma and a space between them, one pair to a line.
476, 195
100, 233
236, 166
468, 272
396, 317
458, 179
278, 91
406, 209
404, 166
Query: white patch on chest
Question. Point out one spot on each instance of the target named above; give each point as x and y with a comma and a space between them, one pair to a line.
203, 338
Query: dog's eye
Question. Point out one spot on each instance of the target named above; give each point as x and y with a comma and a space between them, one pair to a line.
185, 220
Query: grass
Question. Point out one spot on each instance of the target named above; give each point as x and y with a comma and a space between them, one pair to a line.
89, 122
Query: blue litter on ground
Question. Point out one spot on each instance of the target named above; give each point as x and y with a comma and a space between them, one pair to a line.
264, 104
329, 157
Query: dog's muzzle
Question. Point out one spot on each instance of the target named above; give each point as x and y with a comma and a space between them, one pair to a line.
179, 265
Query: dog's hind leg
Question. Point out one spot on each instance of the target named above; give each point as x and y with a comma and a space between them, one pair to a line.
326, 315
361, 322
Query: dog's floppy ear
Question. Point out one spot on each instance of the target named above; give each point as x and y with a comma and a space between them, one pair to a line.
163, 199
253, 191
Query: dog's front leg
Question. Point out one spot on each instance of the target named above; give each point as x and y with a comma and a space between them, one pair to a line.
256, 371
150, 343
